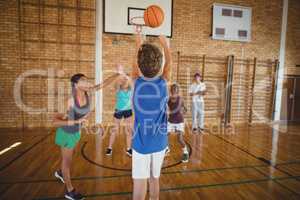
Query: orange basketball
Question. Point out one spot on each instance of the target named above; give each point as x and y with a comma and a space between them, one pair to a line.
154, 16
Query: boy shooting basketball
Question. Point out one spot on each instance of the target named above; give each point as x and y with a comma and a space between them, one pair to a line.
150, 98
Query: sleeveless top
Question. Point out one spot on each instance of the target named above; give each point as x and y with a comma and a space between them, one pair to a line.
175, 107
150, 98
76, 112
123, 100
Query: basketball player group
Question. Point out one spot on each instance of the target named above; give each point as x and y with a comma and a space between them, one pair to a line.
148, 106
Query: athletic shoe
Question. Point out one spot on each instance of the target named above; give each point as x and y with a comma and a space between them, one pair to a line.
58, 174
108, 152
194, 130
185, 158
73, 195
129, 152
167, 151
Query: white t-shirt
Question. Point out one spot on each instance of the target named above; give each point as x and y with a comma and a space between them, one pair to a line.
197, 87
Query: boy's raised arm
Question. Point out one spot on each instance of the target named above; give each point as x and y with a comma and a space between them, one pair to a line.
168, 58
138, 43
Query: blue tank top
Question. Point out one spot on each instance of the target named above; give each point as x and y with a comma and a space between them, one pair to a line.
123, 99
150, 98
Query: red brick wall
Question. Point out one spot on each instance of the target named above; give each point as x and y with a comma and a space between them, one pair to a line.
55, 35
293, 39
191, 36
60, 34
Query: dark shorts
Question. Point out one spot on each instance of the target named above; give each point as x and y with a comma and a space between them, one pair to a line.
119, 114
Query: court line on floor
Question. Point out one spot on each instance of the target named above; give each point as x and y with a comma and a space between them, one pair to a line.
125, 169
283, 171
24, 152
129, 174
186, 187
163, 172
240, 148
288, 163
268, 162
280, 184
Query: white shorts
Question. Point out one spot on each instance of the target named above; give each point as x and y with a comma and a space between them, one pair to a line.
144, 165
175, 127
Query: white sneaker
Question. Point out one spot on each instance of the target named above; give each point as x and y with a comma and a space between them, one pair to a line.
167, 151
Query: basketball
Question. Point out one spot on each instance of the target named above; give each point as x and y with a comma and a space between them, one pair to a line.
153, 16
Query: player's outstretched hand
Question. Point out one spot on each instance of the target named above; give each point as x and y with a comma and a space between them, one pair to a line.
120, 69
138, 29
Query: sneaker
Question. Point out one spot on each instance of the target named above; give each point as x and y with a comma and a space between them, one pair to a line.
167, 151
201, 130
129, 152
194, 130
108, 152
73, 195
58, 174
185, 158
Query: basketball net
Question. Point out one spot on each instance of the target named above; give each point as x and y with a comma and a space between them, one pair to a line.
138, 25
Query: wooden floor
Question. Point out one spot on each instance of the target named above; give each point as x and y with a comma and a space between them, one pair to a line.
258, 162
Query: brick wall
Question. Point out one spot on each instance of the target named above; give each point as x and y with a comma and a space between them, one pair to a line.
60, 34
191, 36
54, 36
9, 53
293, 39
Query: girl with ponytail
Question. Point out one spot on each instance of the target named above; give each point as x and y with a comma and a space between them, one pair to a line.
69, 125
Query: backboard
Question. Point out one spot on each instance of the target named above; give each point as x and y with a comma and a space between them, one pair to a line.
117, 15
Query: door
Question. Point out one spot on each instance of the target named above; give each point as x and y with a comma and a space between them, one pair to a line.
296, 109
290, 105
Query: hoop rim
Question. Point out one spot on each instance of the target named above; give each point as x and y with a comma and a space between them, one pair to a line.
136, 24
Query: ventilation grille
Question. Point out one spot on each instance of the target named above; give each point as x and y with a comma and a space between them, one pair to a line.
243, 33
226, 12
238, 13
220, 31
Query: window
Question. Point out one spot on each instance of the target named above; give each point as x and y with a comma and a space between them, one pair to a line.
242, 33
220, 31
238, 13
226, 12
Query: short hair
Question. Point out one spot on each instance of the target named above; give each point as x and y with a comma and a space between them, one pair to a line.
197, 74
175, 87
149, 60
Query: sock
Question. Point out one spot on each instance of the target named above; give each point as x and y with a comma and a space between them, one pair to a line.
184, 149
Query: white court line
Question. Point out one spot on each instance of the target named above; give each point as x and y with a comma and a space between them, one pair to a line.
10, 147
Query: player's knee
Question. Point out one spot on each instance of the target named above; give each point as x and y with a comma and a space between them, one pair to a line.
114, 129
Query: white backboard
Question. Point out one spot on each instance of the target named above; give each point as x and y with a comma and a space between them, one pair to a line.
231, 22
117, 14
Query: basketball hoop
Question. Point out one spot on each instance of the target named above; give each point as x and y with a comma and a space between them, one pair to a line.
138, 25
